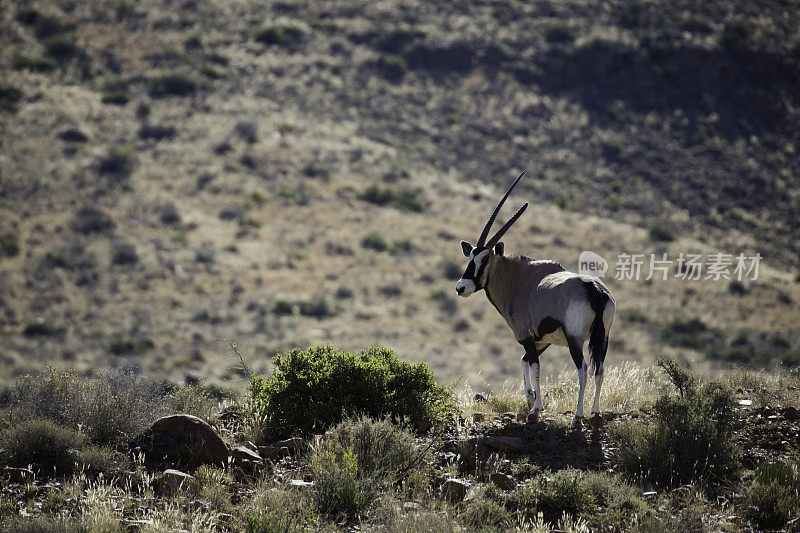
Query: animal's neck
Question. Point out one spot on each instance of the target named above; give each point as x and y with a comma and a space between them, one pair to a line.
500, 282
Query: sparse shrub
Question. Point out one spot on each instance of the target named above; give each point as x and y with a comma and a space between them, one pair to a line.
559, 32
279, 34
316, 170
312, 390
734, 36
450, 269
392, 67
404, 199
373, 241
110, 408
43, 524
9, 245
61, 47
695, 23
384, 452
485, 511
688, 333
119, 161
337, 489
553, 495
115, 91
658, 233
689, 439
402, 247
10, 96
169, 214
317, 307
42, 328
774, 496
51, 449
124, 253
32, 62
247, 130
123, 345
166, 85
193, 42
96, 460
283, 308
90, 219
613, 203
157, 132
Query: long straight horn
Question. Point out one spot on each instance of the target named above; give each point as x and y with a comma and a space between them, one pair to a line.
485, 233
499, 235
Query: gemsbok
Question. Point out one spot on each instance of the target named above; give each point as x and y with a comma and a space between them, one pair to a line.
543, 304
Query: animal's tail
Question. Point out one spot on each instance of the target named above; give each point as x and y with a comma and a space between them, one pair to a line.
599, 298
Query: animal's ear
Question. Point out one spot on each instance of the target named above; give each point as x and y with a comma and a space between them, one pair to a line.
498, 248
466, 248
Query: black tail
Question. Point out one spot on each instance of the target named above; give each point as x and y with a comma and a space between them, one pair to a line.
598, 340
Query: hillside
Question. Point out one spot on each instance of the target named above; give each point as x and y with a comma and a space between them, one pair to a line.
177, 173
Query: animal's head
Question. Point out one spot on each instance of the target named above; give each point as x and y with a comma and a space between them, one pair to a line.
474, 277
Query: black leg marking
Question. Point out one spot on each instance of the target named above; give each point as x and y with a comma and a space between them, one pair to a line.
576, 351
532, 353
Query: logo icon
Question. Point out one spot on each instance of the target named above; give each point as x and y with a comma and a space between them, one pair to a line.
592, 264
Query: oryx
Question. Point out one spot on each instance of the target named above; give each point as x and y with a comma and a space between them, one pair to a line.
543, 304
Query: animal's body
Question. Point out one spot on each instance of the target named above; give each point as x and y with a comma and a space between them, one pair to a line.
543, 304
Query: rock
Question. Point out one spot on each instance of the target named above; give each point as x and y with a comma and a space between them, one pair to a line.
480, 398
745, 403
231, 212
170, 481
454, 490
283, 451
295, 444
182, 440
18, 475
301, 483
503, 444
503, 481
478, 417
247, 460
791, 413
422, 427
269, 452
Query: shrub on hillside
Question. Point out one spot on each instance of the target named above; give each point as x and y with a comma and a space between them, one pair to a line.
110, 409
688, 439
48, 448
10, 96
314, 389
774, 496
279, 34
171, 85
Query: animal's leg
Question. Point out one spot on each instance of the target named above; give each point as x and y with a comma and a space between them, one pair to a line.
598, 384
576, 351
526, 380
531, 360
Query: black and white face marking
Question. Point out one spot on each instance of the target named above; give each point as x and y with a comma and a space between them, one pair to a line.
474, 276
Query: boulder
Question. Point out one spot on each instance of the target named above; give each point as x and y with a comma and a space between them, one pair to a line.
181, 440
295, 444
454, 490
246, 460
503, 481
269, 452
503, 444
171, 481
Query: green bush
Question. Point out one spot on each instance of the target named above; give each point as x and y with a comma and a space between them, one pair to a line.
373, 241
119, 161
171, 85
9, 97
49, 448
392, 67
314, 389
688, 333
280, 34
559, 32
658, 233
31, 62
688, 439
317, 307
337, 487
774, 496
61, 47
403, 199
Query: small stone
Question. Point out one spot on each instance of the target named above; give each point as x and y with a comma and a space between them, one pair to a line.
73, 135
503, 481
294, 444
410, 506
283, 451
269, 452
454, 490
478, 417
422, 427
170, 481
247, 460
301, 483
791, 413
503, 443
745, 403
480, 398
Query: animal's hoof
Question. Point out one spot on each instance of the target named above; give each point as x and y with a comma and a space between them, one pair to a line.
577, 421
533, 417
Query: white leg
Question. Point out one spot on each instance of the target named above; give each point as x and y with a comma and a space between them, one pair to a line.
598, 384
581, 389
537, 403
526, 381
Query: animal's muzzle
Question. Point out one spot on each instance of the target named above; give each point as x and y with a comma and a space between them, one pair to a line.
465, 287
